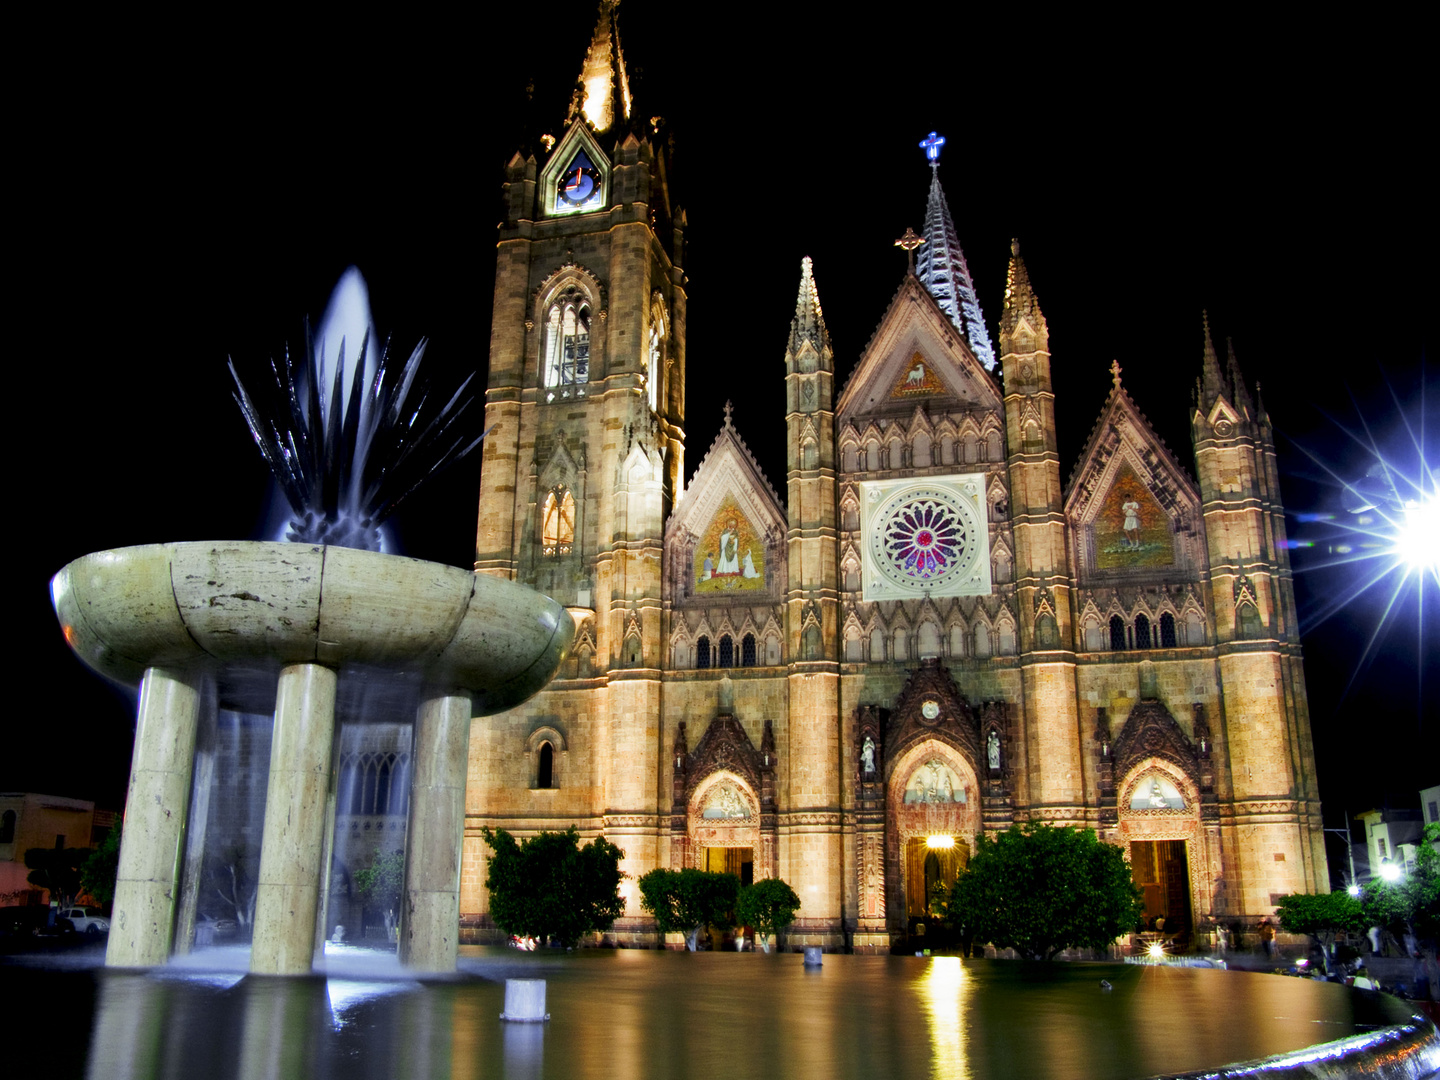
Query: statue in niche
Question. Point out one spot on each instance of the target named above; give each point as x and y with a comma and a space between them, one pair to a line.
867, 755
934, 783
727, 696
992, 749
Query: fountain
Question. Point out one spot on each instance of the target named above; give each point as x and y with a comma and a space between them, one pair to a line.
275, 627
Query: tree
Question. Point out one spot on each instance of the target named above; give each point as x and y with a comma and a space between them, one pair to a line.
232, 874
1039, 890
57, 869
687, 901
1410, 907
769, 906
98, 874
381, 883
551, 887
1321, 916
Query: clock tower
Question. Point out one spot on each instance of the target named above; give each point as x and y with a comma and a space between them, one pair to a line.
585, 402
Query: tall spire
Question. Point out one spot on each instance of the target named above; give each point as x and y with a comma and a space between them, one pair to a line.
1020, 299
1212, 379
603, 74
809, 321
941, 265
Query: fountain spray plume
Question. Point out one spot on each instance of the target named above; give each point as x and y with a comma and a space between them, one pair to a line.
346, 461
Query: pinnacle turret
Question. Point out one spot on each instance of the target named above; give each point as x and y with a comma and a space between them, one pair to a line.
942, 269
809, 321
603, 82
1237, 383
1212, 379
1020, 298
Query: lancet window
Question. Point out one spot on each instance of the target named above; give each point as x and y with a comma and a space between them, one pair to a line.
1167, 631
747, 651
567, 345
702, 652
655, 354
558, 522
727, 651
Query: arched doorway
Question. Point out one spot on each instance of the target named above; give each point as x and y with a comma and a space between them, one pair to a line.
723, 827
1158, 808
934, 816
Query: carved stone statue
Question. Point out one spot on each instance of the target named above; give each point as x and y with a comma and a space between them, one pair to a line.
727, 696
992, 749
867, 755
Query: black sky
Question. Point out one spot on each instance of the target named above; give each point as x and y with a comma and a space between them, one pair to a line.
179, 211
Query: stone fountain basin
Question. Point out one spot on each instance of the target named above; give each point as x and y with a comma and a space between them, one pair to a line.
259, 606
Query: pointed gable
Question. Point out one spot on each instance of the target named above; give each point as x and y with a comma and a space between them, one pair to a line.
725, 538
916, 341
1132, 507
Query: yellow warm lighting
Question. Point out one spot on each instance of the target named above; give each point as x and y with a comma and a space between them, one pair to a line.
940, 842
1156, 949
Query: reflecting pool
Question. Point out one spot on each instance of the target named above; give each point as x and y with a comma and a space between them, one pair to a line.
670, 1014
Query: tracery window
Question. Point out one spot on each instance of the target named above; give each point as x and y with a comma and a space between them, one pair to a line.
567, 344
1167, 631
557, 533
727, 651
1142, 632
1117, 633
702, 652
747, 651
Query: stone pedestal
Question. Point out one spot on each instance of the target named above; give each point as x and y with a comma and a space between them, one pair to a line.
148, 881
430, 916
294, 837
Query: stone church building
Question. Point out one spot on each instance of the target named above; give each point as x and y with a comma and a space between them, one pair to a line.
923, 632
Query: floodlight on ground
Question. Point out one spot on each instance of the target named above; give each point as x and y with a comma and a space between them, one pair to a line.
1417, 536
1390, 871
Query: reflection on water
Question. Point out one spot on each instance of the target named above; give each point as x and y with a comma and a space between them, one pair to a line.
944, 993
654, 1014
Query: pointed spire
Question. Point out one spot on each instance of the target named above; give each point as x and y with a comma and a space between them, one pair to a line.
1237, 383
1212, 380
809, 322
603, 75
1020, 298
943, 271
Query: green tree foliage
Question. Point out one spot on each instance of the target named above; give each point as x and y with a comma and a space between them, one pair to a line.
1039, 890
687, 901
551, 887
769, 906
381, 883
57, 869
97, 875
1321, 916
1410, 907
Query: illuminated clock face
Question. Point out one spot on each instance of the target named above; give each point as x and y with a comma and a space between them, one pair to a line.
579, 186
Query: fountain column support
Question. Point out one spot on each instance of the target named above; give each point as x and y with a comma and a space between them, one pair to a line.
147, 884
293, 842
430, 915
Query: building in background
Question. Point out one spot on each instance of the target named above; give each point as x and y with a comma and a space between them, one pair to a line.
28, 820
926, 631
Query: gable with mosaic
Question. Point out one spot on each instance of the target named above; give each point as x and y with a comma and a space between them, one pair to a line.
730, 556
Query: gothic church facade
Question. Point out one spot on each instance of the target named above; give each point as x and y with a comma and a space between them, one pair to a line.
924, 634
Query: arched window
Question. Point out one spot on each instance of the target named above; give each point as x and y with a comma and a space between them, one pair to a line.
367, 791
849, 459
1249, 621
382, 788
1167, 631
947, 449
1094, 636
7, 827
545, 771
727, 652
982, 640
1006, 645
853, 645
872, 455
929, 640
772, 649
992, 446
957, 641
655, 357
1117, 632
558, 523
877, 645
567, 344
747, 651
920, 454
852, 578
1142, 632
1047, 634
902, 644
702, 652
1194, 628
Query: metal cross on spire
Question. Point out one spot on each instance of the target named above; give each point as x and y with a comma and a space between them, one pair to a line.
932, 144
910, 242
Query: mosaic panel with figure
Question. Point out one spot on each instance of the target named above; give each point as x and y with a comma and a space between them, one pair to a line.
731, 555
1131, 529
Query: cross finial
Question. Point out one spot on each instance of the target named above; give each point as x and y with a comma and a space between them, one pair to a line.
1115, 371
729, 408
910, 242
932, 144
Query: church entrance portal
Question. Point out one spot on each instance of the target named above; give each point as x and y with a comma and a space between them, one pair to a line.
1162, 871
932, 863
739, 861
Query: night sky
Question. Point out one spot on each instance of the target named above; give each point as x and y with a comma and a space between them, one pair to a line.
178, 212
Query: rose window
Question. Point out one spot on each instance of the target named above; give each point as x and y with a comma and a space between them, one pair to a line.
924, 539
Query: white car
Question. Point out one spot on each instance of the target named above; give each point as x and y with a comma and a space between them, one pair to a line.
84, 922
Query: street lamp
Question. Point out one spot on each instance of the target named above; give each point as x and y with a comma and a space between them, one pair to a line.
1389, 870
